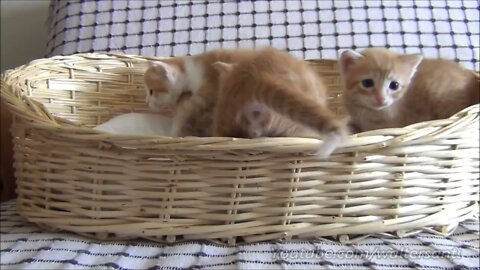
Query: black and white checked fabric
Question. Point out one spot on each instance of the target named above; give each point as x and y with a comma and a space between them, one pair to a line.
25, 246
308, 29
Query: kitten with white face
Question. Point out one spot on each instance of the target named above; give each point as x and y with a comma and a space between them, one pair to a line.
386, 89
189, 86
166, 81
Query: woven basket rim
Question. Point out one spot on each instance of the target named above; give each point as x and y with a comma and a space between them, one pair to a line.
49, 121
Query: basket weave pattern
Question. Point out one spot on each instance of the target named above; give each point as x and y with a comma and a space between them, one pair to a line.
71, 177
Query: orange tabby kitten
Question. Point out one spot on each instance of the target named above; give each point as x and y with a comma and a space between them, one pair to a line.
271, 93
386, 89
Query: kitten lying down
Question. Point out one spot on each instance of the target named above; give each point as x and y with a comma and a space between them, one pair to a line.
385, 89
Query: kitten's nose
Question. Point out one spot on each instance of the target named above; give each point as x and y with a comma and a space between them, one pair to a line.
380, 100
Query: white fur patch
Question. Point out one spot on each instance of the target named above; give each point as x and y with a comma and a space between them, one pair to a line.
195, 74
330, 142
170, 72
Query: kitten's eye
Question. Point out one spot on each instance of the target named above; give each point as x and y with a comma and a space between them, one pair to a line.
367, 83
393, 85
151, 92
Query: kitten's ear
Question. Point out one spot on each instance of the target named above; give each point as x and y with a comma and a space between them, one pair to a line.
164, 71
151, 63
347, 60
222, 66
411, 60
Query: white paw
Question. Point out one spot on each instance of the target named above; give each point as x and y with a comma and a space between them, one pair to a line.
330, 142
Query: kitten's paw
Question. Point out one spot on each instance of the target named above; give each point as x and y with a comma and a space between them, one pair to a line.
254, 118
332, 140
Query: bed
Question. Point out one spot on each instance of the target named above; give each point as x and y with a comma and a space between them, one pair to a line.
308, 29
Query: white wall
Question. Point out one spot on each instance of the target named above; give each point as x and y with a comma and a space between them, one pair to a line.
23, 31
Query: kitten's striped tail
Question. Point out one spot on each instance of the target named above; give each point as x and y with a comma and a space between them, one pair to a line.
302, 109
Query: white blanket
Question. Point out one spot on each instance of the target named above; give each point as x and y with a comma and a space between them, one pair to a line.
137, 124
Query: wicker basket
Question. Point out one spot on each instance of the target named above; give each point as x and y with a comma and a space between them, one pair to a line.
71, 177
